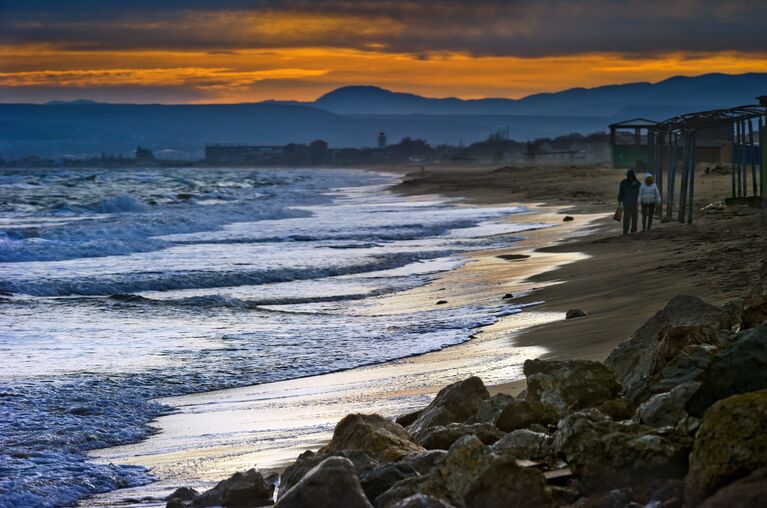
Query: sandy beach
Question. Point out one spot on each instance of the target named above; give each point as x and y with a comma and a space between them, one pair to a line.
584, 263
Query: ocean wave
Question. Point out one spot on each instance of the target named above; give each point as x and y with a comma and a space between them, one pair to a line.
120, 203
136, 282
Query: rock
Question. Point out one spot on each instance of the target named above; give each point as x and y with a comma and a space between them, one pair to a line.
575, 313
688, 366
504, 484
616, 498
730, 444
454, 403
755, 304
184, 494
378, 481
738, 368
408, 418
441, 302
666, 409
363, 462
507, 296
490, 409
246, 488
421, 501
448, 479
423, 461
517, 415
557, 388
175, 502
683, 321
441, 438
331, 484
607, 454
567, 219
749, 491
524, 444
617, 409
374, 434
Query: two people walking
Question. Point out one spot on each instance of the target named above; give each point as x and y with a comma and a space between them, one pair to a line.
633, 195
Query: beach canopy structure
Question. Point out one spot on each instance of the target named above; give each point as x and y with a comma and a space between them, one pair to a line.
672, 148
629, 143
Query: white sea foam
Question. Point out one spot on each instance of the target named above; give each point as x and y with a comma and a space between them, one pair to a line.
122, 286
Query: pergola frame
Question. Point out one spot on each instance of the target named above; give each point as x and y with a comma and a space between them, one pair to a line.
681, 131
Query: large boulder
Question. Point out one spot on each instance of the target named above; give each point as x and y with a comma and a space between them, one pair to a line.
687, 366
376, 482
423, 461
374, 434
442, 437
607, 454
683, 321
448, 479
455, 403
524, 444
331, 484
749, 492
518, 414
730, 444
248, 488
755, 304
666, 409
363, 462
490, 409
739, 368
557, 388
503, 483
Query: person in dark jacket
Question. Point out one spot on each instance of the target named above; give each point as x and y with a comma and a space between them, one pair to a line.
628, 195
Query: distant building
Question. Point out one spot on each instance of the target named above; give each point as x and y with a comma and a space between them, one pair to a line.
318, 153
238, 153
382, 139
144, 155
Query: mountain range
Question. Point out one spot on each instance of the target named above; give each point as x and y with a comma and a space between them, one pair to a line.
353, 116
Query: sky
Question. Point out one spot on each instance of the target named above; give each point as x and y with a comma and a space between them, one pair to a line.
194, 51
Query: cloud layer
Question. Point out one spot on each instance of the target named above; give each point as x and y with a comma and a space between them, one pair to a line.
249, 50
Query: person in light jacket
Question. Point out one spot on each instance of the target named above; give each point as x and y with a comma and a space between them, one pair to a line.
649, 196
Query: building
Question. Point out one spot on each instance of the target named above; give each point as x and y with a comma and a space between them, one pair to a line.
239, 153
144, 155
628, 143
382, 139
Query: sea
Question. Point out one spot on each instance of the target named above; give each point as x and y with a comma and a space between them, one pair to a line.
121, 286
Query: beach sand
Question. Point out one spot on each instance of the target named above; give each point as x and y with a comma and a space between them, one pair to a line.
584, 263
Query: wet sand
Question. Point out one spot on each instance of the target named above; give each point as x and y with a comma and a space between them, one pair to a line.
216, 433
585, 263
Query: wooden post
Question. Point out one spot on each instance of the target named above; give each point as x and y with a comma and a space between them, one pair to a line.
733, 156
671, 173
650, 151
691, 203
752, 156
659, 176
743, 162
683, 183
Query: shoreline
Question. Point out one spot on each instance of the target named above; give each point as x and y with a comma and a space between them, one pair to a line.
439, 367
590, 279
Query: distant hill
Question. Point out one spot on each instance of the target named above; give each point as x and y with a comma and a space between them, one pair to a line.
679, 93
353, 116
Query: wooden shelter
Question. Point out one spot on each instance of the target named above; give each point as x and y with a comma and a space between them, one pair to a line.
672, 148
629, 142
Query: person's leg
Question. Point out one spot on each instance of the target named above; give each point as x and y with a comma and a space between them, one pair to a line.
634, 218
644, 217
650, 213
626, 220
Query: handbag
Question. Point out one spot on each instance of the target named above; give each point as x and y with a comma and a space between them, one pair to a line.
618, 216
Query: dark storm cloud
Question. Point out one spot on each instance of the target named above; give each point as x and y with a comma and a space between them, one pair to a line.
514, 27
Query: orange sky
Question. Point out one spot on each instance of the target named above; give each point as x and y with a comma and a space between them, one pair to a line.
305, 73
236, 51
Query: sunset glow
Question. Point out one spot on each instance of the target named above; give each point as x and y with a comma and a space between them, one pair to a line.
300, 50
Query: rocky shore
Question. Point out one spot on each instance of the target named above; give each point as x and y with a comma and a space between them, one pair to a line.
675, 417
